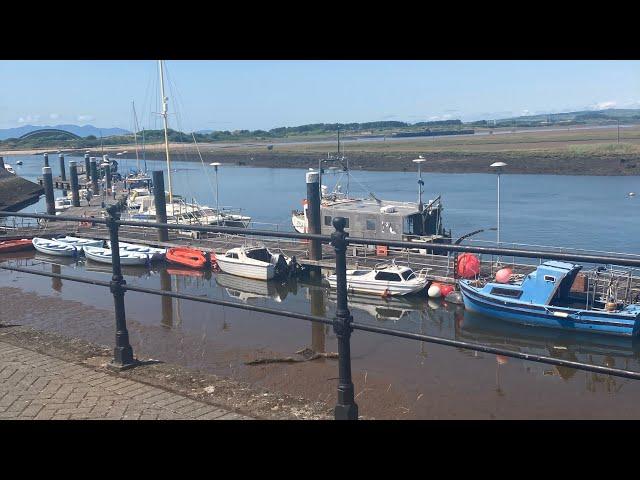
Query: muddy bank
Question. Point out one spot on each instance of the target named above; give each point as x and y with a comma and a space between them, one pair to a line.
533, 162
16, 192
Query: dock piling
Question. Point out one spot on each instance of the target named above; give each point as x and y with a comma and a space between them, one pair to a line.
1, 162
47, 180
313, 213
63, 173
160, 203
122, 353
94, 175
346, 408
107, 176
73, 173
87, 167
46, 159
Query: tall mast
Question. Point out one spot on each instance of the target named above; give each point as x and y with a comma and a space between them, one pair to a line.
135, 134
166, 134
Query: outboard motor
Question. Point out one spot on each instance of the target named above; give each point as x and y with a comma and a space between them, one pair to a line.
282, 269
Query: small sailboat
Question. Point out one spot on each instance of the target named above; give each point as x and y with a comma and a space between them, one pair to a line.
15, 245
386, 279
104, 255
152, 252
253, 262
54, 247
547, 297
80, 243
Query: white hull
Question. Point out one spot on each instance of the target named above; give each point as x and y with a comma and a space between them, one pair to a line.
79, 243
299, 223
362, 281
378, 288
53, 247
103, 255
153, 253
258, 272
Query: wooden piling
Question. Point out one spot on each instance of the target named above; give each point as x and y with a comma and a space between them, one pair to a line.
63, 173
313, 213
47, 178
46, 159
73, 173
94, 175
160, 203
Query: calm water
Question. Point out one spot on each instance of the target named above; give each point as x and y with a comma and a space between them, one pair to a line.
394, 378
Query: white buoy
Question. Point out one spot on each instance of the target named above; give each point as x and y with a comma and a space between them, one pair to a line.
434, 291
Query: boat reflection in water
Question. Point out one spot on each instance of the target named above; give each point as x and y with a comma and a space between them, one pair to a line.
391, 308
606, 350
127, 270
245, 289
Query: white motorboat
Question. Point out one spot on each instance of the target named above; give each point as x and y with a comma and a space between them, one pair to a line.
252, 262
152, 252
385, 279
104, 255
9, 169
80, 243
62, 204
54, 247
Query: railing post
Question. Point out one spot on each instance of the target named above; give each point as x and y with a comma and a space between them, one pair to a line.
122, 353
346, 408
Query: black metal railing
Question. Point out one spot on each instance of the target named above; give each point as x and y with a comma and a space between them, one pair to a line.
343, 324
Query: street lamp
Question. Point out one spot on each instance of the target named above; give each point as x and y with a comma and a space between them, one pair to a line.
215, 165
420, 160
498, 166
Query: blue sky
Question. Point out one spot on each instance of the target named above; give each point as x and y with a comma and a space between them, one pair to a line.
229, 95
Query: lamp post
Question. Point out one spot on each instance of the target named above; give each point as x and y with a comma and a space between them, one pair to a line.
215, 165
498, 166
420, 160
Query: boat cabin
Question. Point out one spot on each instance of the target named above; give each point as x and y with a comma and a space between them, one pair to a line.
549, 284
387, 220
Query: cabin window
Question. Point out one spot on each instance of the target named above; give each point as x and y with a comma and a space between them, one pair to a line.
232, 255
371, 225
506, 292
327, 220
388, 276
408, 275
549, 278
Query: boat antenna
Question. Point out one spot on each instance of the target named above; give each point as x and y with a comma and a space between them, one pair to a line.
144, 152
166, 135
135, 134
420, 160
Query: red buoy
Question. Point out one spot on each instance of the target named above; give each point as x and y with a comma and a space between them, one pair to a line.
468, 265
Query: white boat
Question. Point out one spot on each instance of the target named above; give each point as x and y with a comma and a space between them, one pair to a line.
63, 203
252, 262
385, 279
9, 169
80, 243
103, 255
54, 247
19, 162
152, 252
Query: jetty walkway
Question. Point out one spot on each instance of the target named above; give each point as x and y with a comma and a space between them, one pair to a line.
35, 386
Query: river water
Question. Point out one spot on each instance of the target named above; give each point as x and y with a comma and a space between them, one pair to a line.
394, 378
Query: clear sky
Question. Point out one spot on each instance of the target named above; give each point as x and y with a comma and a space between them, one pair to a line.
229, 95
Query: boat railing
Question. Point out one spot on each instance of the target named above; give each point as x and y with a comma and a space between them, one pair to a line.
343, 323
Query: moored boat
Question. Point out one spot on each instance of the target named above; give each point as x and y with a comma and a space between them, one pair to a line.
54, 247
386, 279
253, 262
15, 245
104, 255
188, 257
152, 252
547, 297
80, 242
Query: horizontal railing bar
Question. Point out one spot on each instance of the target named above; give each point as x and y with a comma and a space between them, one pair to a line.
632, 262
355, 325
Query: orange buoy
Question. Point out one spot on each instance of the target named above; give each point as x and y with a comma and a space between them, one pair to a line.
445, 289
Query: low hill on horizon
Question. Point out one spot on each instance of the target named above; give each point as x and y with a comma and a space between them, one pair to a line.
80, 130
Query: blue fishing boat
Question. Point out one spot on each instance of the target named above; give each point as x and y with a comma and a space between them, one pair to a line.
545, 298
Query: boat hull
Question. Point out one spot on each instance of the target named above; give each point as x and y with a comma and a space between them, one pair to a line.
99, 255
550, 316
258, 272
57, 249
15, 245
187, 257
379, 288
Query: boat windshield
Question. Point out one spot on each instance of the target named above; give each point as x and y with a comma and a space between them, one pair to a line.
408, 275
261, 254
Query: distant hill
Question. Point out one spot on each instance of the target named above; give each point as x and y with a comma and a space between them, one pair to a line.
81, 131
584, 116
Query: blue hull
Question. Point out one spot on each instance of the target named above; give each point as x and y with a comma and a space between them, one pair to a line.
538, 315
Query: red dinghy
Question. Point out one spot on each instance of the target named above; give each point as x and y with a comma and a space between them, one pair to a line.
15, 245
189, 257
